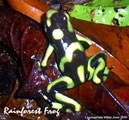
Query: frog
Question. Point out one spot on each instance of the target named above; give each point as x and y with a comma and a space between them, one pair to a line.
76, 68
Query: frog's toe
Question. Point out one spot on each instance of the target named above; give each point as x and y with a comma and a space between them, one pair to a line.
97, 80
105, 74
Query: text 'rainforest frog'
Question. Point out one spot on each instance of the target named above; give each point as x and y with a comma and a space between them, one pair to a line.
75, 66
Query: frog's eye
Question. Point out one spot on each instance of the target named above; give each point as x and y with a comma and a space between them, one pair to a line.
64, 18
57, 34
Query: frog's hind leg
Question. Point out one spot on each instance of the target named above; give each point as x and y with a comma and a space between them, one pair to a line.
97, 68
63, 102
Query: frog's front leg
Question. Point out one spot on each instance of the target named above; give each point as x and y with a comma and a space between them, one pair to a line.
97, 68
85, 41
48, 53
56, 88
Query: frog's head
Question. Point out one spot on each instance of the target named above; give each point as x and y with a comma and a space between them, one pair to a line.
56, 24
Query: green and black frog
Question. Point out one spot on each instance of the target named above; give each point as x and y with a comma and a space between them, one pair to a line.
75, 66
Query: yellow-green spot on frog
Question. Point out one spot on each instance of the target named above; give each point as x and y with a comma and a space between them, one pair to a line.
70, 28
71, 49
75, 66
81, 73
57, 34
57, 105
69, 83
63, 98
49, 14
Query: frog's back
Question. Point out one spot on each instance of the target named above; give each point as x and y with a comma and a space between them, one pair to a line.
59, 31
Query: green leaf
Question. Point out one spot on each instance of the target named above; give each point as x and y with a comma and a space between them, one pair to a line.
104, 12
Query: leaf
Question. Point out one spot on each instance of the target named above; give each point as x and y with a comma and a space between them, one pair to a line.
8, 73
108, 3
102, 11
